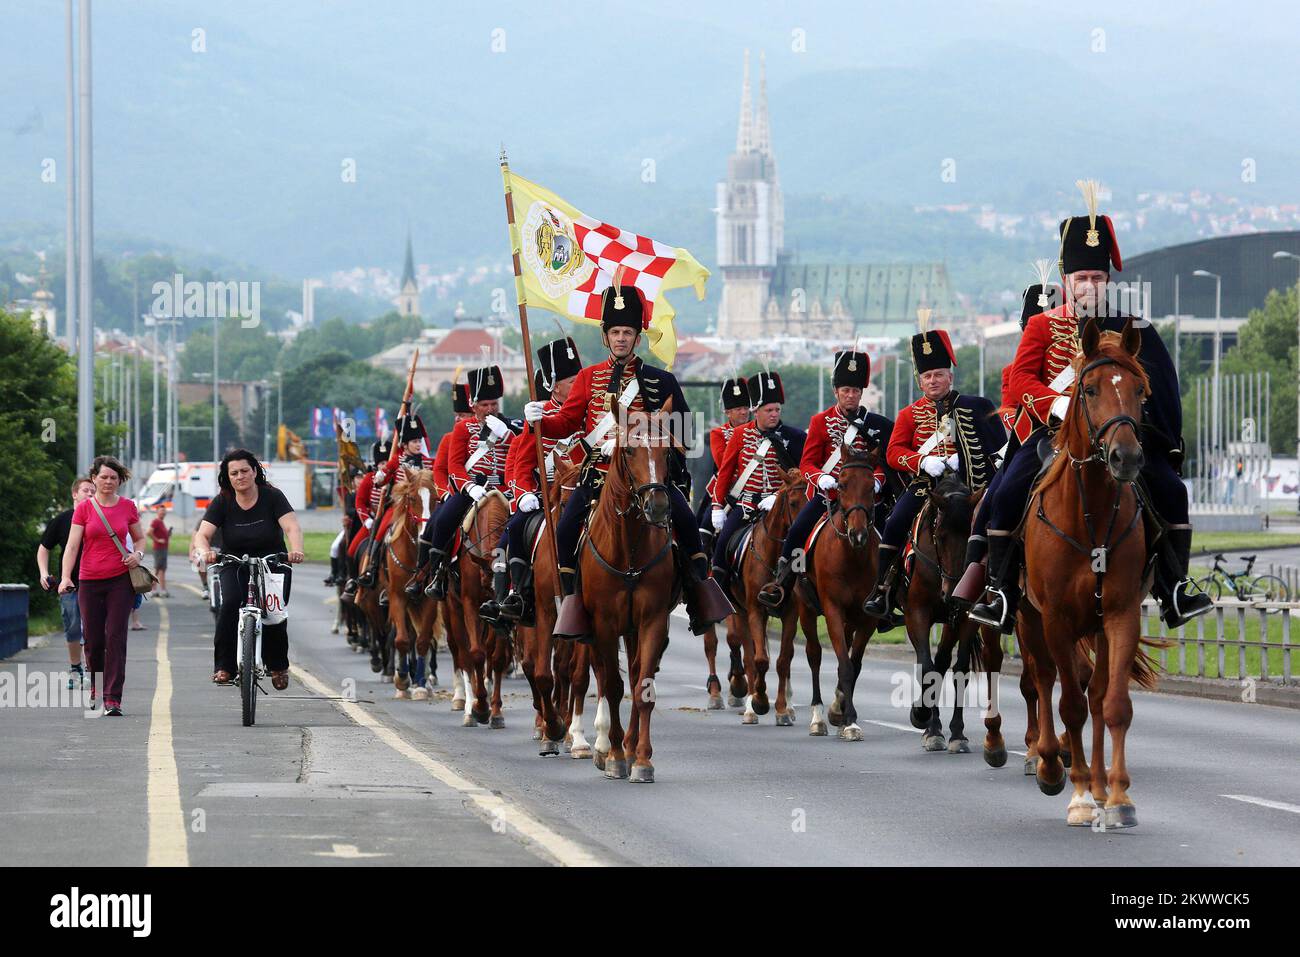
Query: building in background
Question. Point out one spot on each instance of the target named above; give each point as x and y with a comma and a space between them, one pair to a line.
408, 298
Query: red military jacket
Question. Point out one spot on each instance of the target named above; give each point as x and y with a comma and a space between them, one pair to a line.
589, 399
1048, 346
368, 494
390, 467
521, 461
441, 481
465, 440
766, 479
912, 429
825, 433
719, 436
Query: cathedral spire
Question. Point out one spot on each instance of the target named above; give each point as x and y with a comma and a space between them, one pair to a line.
762, 135
745, 134
408, 270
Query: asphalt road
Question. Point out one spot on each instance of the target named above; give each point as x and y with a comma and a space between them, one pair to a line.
384, 781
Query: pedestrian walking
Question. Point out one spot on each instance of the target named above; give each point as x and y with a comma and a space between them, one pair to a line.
160, 536
56, 536
99, 526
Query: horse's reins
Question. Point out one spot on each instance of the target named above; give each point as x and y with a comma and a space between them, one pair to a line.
838, 509
1097, 453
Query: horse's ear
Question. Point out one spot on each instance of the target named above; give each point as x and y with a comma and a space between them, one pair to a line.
1091, 338
1131, 338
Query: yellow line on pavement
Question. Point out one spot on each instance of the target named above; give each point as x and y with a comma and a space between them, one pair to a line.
168, 840
562, 849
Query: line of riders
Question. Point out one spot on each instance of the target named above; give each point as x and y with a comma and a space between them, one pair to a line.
943, 434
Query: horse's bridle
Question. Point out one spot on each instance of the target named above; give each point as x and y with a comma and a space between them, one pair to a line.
1097, 436
639, 495
847, 513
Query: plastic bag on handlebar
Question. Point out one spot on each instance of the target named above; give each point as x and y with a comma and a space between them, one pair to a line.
275, 608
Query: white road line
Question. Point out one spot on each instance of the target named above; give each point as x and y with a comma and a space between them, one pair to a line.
1264, 802
891, 724
197, 591
168, 839
561, 848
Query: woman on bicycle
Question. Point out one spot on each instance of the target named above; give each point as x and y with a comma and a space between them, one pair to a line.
254, 517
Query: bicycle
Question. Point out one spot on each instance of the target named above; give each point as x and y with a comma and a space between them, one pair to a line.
248, 648
1260, 588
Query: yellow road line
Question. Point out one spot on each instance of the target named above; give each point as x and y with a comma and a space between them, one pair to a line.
563, 850
168, 840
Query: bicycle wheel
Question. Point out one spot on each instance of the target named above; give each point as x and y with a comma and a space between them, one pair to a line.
248, 668
1268, 588
1211, 586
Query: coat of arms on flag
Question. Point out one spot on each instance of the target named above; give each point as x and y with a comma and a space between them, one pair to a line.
569, 259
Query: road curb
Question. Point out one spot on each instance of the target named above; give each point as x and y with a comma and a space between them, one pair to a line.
1217, 689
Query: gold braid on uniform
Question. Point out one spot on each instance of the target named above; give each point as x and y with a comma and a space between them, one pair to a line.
976, 463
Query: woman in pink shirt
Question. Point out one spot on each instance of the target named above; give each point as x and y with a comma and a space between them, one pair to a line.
104, 594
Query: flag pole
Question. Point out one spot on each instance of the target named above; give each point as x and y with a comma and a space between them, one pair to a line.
542, 481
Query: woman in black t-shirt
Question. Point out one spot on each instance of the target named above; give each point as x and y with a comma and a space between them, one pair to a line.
254, 518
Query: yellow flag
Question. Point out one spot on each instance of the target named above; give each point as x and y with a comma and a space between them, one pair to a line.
567, 260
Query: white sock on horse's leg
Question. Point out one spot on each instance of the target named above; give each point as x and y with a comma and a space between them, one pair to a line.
602, 726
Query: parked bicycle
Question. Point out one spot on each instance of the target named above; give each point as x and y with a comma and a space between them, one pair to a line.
1243, 585
248, 649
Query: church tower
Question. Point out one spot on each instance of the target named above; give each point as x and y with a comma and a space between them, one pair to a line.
750, 219
408, 300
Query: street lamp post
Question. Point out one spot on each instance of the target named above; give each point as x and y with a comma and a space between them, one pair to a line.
216, 345
1283, 254
1218, 339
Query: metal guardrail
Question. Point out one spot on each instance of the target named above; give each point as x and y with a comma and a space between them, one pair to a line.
1235, 641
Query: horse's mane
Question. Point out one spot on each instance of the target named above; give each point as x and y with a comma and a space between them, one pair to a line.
1108, 347
406, 490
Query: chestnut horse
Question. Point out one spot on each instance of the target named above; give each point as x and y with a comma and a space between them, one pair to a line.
938, 558
736, 682
476, 645
627, 583
843, 569
756, 567
400, 552
1085, 558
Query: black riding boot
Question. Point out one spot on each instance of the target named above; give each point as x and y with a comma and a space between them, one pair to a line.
334, 573
772, 595
415, 586
880, 603
437, 588
514, 604
1180, 598
490, 610
1003, 591
371, 574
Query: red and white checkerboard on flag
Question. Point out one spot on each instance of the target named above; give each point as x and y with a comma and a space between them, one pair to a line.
567, 259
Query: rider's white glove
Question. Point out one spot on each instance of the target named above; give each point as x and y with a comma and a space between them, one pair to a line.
719, 518
951, 461
370, 523
497, 427
766, 502
534, 411
607, 447
879, 486
528, 502
381, 476
1060, 405
827, 482
932, 465
475, 491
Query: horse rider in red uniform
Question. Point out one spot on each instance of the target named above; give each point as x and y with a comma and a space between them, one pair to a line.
735, 411
367, 503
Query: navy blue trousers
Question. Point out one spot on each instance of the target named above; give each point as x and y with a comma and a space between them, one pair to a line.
901, 518
735, 518
449, 516
569, 528
1168, 493
512, 538
802, 525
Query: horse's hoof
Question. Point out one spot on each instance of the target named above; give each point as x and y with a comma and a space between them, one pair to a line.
818, 729
785, 720
480, 716
537, 734
734, 702
749, 718
1031, 767
836, 718
468, 721
715, 703
386, 679
580, 753
850, 732
376, 666
334, 630
401, 694
1119, 816
1065, 758
958, 746
420, 694
934, 742
458, 704
497, 722
597, 758
616, 770
919, 716
1082, 811
642, 774
549, 749
995, 757
760, 704
1048, 787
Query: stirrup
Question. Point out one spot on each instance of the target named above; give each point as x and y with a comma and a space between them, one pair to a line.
1174, 616
771, 596
878, 604
986, 617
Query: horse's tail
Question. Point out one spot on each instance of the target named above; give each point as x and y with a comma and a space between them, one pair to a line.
1144, 671
977, 646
